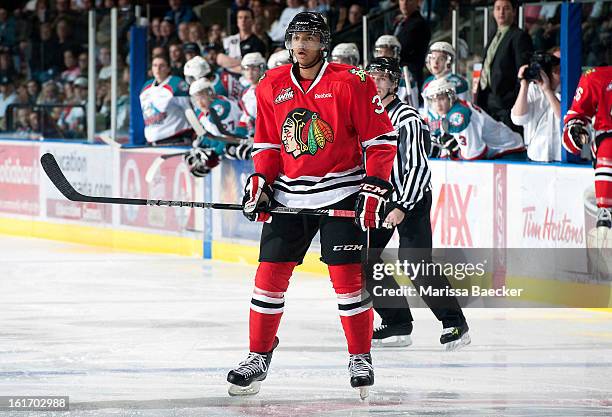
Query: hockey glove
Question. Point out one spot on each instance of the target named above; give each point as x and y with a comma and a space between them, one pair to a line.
257, 198
370, 205
200, 161
240, 152
450, 144
577, 134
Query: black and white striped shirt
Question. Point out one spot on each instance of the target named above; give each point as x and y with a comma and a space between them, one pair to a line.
411, 176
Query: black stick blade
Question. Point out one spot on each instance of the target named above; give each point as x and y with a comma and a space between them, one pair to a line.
58, 179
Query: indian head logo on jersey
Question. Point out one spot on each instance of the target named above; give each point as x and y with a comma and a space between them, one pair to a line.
285, 94
303, 133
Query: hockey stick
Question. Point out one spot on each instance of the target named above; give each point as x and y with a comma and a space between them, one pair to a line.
58, 179
157, 163
108, 140
200, 131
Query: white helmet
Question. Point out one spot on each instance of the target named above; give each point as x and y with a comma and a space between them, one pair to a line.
253, 59
438, 87
196, 68
445, 48
346, 53
387, 41
201, 85
279, 58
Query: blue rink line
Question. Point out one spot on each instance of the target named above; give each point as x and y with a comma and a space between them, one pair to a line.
7, 374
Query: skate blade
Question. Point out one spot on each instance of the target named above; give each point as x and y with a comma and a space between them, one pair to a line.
458, 344
364, 392
393, 341
237, 390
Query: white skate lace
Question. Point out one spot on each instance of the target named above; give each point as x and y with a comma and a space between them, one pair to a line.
380, 328
252, 364
359, 366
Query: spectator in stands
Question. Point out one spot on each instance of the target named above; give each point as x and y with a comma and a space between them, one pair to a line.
7, 97
8, 33
177, 59
355, 15
163, 101
49, 93
509, 50
166, 31
242, 43
190, 50
183, 32
22, 123
83, 63
414, 35
33, 89
22, 95
278, 27
158, 50
538, 109
155, 31
179, 12
45, 54
72, 70
260, 29
6, 65
215, 35
72, 119
104, 59
64, 36
197, 35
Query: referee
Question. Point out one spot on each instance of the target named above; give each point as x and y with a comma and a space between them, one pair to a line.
409, 210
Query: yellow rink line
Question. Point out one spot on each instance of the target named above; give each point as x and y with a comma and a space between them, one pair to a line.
540, 290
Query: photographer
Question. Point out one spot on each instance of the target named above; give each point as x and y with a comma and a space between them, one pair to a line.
538, 108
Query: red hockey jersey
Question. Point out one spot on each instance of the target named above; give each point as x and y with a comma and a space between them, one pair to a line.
310, 144
593, 98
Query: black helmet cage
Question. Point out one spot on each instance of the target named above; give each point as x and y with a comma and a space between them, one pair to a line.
388, 66
309, 22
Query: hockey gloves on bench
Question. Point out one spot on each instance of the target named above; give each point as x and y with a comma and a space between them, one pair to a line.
370, 205
257, 198
200, 161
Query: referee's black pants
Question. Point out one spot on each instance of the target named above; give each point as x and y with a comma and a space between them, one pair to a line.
414, 233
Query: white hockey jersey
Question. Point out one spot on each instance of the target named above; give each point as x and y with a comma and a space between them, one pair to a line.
478, 134
227, 84
222, 119
163, 108
248, 104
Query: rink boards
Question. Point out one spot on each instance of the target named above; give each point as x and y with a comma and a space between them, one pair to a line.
475, 204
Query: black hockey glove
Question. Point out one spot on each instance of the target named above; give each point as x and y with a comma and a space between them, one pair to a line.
451, 145
200, 161
240, 152
257, 199
578, 133
370, 205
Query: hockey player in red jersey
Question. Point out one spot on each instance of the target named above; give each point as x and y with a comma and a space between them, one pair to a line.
593, 98
315, 123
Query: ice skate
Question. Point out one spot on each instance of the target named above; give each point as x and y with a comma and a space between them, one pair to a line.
362, 373
392, 335
246, 378
454, 338
604, 223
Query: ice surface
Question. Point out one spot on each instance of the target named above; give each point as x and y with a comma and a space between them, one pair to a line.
149, 335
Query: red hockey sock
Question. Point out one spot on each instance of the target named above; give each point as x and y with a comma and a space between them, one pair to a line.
603, 174
355, 312
271, 282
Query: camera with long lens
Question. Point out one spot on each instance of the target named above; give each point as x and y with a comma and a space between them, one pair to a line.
540, 61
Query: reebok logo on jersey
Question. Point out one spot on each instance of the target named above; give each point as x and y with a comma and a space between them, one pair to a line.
285, 94
324, 95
